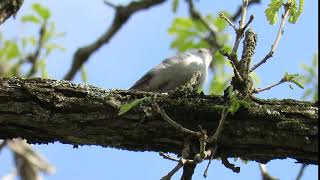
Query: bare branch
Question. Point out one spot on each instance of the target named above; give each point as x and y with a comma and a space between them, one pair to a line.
243, 13
286, 78
212, 154
214, 139
167, 156
264, 173
183, 161
33, 57
277, 40
196, 15
249, 22
173, 171
239, 11
172, 122
301, 171
110, 4
233, 60
123, 13
268, 87
222, 16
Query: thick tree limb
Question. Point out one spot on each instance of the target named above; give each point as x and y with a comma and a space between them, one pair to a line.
44, 111
9, 8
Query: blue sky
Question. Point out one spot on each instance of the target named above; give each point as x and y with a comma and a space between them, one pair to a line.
142, 43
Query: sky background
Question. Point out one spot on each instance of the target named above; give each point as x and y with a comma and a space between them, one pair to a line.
141, 44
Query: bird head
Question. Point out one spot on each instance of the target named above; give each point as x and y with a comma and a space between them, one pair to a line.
205, 54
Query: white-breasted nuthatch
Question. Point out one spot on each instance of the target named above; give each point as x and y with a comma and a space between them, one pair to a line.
176, 71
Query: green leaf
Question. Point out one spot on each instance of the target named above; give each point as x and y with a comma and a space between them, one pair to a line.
52, 46
126, 107
41, 11
234, 107
272, 11
30, 18
11, 49
43, 68
84, 74
245, 161
175, 5
32, 40
294, 13
255, 78
292, 78
310, 79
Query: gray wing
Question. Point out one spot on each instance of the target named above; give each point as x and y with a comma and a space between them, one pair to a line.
143, 82
147, 81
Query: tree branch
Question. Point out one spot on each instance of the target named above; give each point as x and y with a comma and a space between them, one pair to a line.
9, 8
196, 15
123, 13
239, 11
44, 111
277, 40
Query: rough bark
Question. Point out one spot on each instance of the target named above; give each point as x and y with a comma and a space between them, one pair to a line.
9, 8
44, 111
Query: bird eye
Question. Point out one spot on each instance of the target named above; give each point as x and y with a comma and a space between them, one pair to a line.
200, 51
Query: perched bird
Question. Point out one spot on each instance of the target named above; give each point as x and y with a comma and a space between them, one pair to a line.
176, 71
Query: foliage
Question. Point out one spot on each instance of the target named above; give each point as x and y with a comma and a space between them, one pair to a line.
292, 78
18, 53
272, 10
274, 7
126, 107
310, 78
235, 102
84, 74
294, 11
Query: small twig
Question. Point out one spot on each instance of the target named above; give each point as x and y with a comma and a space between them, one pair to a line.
229, 165
173, 171
181, 162
110, 4
155, 105
32, 58
301, 171
235, 70
167, 156
241, 28
277, 40
249, 22
222, 16
213, 153
214, 139
196, 15
122, 15
283, 80
239, 11
233, 60
267, 88
244, 13
264, 173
